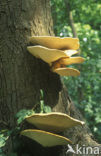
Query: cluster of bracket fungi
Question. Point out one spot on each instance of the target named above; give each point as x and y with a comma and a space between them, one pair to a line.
57, 53
48, 125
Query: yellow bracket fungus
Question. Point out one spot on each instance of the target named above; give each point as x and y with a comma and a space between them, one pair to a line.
67, 71
57, 53
54, 122
56, 42
59, 66
67, 61
48, 55
44, 138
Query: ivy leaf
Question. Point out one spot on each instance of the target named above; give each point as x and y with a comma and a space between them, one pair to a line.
22, 114
47, 109
3, 140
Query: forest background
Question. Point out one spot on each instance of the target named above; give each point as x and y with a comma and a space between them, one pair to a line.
82, 19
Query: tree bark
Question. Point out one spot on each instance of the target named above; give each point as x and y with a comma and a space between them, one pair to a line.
22, 75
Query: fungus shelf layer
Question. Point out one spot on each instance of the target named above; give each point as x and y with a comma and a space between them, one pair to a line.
56, 42
57, 53
44, 138
54, 122
49, 55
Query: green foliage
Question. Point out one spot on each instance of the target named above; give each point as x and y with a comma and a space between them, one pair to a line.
43, 108
85, 12
85, 89
21, 115
47, 109
3, 139
83, 9
4, 135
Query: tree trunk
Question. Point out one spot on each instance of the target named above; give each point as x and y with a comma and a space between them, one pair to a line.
22, 75
70, 16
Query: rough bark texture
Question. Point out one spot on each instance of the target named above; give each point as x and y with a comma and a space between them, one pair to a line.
22, 76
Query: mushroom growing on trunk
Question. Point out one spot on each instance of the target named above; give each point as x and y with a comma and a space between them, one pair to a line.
53, 122
57, 53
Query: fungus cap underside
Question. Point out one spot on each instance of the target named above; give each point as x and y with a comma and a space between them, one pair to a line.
49, 55
44, 138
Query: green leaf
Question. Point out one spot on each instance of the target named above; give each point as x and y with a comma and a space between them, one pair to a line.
22, 114
42, 93
41, 106
3, 140
47, 109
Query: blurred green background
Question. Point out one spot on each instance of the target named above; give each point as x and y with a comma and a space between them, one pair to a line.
82, 19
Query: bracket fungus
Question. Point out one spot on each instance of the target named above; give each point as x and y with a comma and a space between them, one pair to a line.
62, 62
57, 53
44, 138
54, 122
67, 71
56, 42
64, 71
48, 55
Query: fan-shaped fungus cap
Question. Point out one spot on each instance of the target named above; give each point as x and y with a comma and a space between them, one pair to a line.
44, 138
62, 62
67, 71
71, 60
54, 122
49, 55
56, 42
